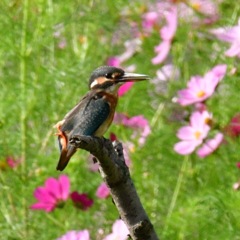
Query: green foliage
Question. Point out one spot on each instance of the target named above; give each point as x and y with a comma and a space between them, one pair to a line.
47, 52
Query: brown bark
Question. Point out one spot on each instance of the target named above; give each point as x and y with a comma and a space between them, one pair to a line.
116, 175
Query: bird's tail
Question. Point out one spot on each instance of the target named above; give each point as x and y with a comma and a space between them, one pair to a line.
65, 156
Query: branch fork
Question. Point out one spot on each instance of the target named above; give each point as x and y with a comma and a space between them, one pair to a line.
116, 174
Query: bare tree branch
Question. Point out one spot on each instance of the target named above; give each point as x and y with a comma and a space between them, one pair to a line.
116, 175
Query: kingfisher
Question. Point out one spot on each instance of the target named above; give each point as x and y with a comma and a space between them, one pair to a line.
94, 113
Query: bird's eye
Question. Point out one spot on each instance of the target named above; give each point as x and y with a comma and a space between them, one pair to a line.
108, 75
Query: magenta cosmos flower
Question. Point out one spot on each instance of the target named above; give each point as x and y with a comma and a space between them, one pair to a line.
200, 88
210, 145
12, 162
232, 36
125, 88
76, 235
233, 128
81, 200
119, 231
53, 194
193, 135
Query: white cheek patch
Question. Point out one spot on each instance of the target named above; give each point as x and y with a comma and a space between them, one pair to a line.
95, 82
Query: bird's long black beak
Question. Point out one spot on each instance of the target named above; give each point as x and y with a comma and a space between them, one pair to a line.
132, 77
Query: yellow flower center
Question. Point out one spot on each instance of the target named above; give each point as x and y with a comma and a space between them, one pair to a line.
197, 135
196, 6
201, 94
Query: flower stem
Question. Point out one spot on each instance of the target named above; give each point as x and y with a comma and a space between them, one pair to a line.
176, 191
23, 85
53, 220
50, 15
157, 114
23, 122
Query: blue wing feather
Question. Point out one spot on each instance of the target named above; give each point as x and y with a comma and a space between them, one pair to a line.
86, 118
93, 116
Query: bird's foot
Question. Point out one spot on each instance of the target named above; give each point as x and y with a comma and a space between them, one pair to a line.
77, 140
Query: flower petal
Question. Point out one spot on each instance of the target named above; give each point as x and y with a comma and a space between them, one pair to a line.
103, 191
210, 146
162, 50
186, 147
52, 186
125, 88
64, 184
42, 195
47, 207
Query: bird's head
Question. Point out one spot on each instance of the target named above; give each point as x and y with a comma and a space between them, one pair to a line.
111, 78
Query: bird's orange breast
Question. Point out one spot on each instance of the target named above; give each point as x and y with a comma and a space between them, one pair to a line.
112, 100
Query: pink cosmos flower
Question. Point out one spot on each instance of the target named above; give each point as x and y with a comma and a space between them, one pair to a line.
155, 17
200, 107
81, 200
138, 123
167, 33
76, 235
232, 36
201, 88
210, 145
114, 62
93, 166
207, 8
119, 231
128, 147
103, 191
193, 135
131, 47
53, 194
150, 19
162, 51
168, 72
165, 74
